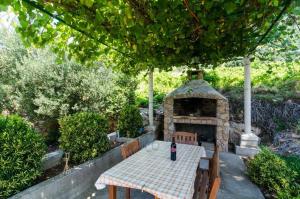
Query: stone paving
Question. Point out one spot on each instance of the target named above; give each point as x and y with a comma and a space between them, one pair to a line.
234, 184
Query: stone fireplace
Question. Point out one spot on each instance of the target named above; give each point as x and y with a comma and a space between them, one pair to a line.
197, 107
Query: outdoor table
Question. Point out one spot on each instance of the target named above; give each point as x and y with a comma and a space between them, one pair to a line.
152, 170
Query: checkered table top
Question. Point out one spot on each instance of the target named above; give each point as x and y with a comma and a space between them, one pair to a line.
151, 170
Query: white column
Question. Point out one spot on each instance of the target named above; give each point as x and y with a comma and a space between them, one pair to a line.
150, 98
247, 95
249, 141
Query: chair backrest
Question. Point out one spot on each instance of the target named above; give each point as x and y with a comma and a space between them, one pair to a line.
215, 188
130, 148
203, 186
209, 183
185, 138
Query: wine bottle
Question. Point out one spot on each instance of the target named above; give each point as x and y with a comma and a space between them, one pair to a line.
173, 150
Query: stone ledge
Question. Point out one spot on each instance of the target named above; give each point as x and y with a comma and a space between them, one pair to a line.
250, 137
246, 151
249, 143
196, 120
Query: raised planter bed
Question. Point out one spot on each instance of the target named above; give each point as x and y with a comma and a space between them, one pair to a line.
77, 180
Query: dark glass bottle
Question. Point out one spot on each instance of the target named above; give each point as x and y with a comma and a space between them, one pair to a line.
173, 150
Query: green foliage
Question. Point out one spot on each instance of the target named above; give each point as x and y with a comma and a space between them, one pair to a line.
21, 152
47, 89
130, 122
271, 81
274, 81
11, 53
272, 173
156, 33
212, 78
158, 98
293, 162
35, 84
164, 82
84, 136
142, 102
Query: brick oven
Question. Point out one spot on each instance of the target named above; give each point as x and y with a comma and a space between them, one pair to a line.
198, 108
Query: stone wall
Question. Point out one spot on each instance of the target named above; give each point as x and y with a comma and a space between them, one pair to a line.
169, 127
223, 124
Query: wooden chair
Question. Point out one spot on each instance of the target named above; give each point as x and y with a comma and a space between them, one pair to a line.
185, 138
201, 185
214, 188
208, 182
126, 151
130, 148
214, 165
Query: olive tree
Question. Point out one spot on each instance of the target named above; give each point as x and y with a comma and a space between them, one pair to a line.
37, 86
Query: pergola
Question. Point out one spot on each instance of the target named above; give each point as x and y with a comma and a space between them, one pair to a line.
143, 35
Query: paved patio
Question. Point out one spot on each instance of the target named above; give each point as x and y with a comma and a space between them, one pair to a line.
234, 185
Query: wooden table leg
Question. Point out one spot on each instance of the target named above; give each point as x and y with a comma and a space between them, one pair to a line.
127, 193
112, 192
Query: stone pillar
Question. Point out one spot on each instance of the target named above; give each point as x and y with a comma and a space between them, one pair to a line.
247, 95
249, 141
168, 118
222, 130
151, 124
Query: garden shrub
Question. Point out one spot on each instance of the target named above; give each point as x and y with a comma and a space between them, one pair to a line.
84, 136
130, 122
21, 153
272, 173
294, 163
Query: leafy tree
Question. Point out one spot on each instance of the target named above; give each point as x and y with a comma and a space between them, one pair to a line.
35, 85
284, 44
48, 89
143, 34
11, 52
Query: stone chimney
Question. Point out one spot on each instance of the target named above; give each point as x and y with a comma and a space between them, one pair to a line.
195, 74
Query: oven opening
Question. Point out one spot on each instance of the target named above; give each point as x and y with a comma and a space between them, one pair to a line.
195, 107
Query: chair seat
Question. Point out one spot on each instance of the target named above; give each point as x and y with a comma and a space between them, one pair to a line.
204, 164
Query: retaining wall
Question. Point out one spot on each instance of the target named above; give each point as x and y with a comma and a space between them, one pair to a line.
78, 179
